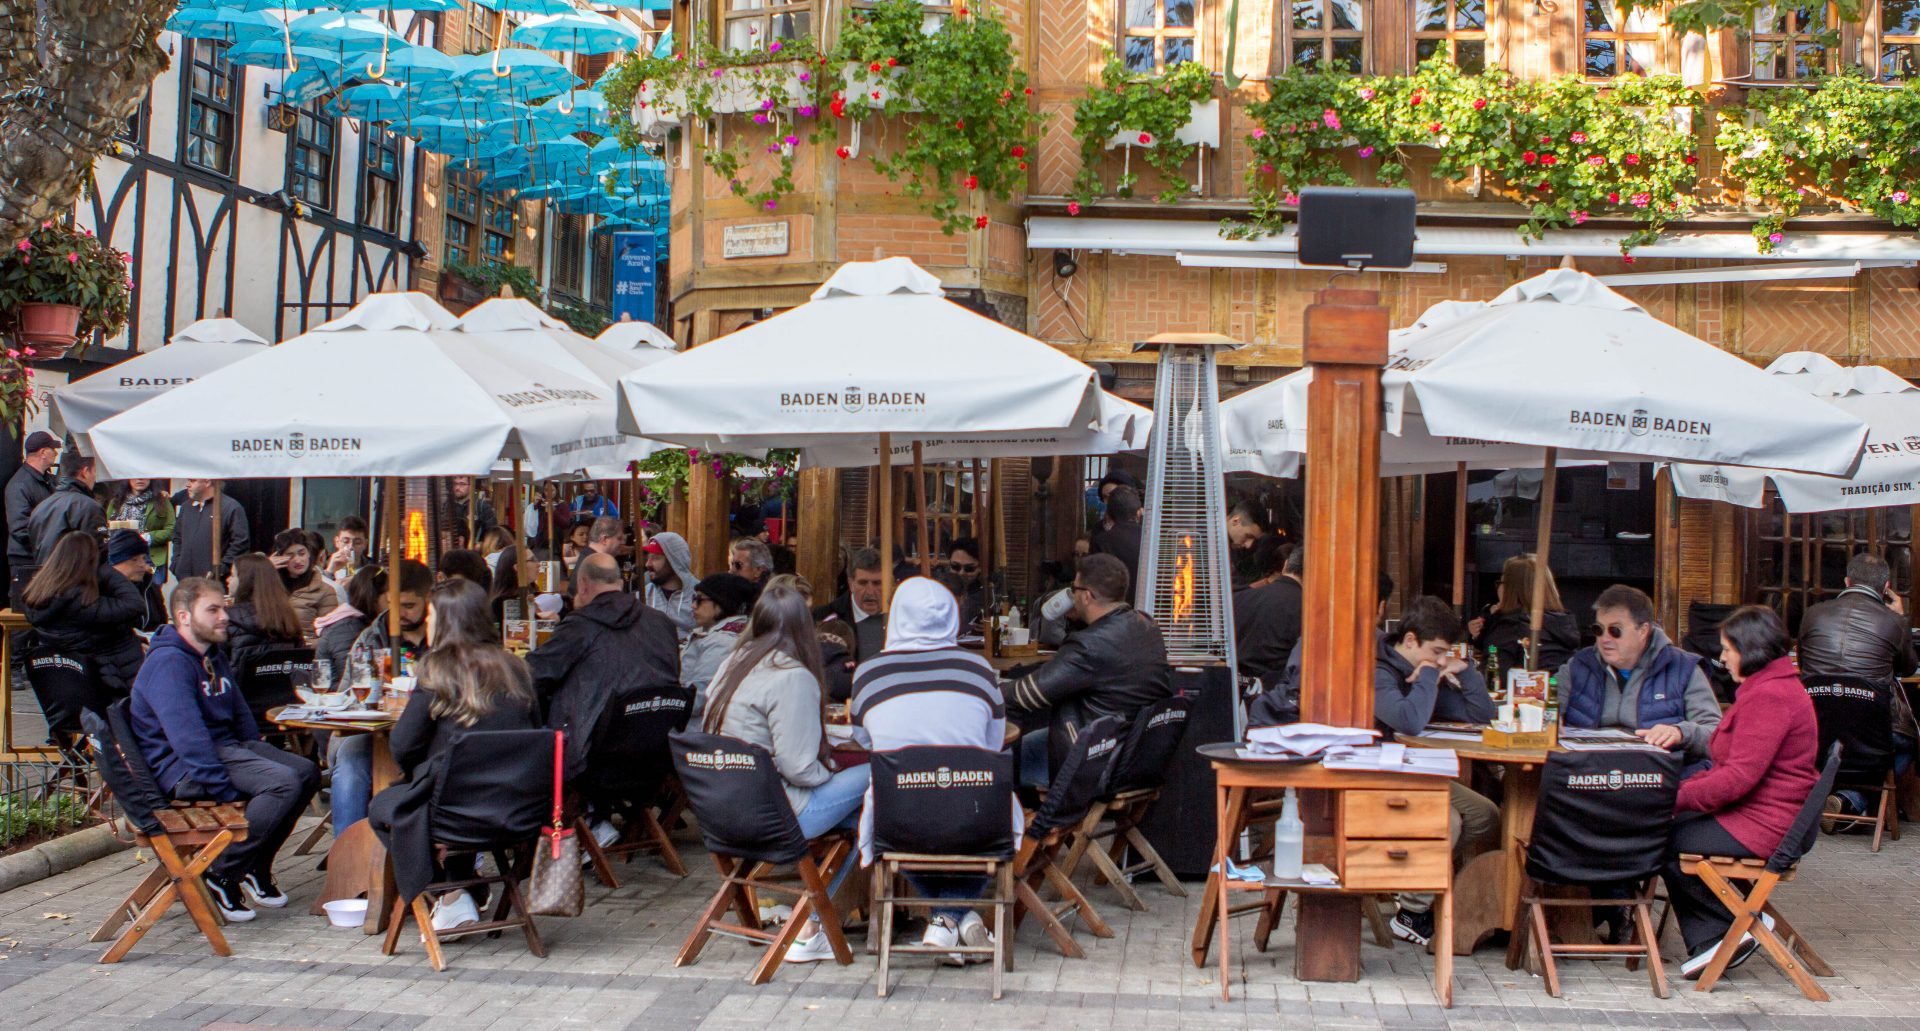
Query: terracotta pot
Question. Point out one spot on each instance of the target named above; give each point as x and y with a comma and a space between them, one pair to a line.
48, 328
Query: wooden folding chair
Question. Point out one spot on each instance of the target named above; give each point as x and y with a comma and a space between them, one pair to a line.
641, 833
1107, 845
887, 875
194, 835
630, 772
1531, 935
510, 909
1857, 713
1885, 818
740, 877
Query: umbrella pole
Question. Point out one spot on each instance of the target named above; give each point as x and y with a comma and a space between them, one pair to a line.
473, 511
886, 522
633, 503
920, 501
1548, 476
522, 555
219, 502
1460, 536
396, 554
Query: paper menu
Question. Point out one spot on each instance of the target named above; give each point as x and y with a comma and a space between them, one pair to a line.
1524, 685
1432, 762
1306, 738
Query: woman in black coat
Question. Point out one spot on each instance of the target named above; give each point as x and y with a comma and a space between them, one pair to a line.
84, 608
341, 627
261, 617
1507, 627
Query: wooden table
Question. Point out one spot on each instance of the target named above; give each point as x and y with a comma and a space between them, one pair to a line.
1488, 886
356, 862
1386, 832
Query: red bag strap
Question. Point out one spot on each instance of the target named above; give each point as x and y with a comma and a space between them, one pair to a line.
559, 765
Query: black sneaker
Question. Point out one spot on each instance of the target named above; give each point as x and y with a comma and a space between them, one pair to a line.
229, 898
261, 891
1697, 963
1413, 927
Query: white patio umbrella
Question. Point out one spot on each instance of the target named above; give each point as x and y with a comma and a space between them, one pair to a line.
631, 335
877, 353
197, 349
1889, 470
420, 400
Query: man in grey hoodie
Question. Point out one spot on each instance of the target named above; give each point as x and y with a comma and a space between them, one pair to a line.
670, 579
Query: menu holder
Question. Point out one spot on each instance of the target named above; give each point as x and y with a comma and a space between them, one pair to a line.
1545, 738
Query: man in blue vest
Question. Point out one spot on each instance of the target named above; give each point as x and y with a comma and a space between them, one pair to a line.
1634, 678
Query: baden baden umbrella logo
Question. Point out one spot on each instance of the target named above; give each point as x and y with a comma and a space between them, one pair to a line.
296, 445
855, 399
1913, 444
1638, 424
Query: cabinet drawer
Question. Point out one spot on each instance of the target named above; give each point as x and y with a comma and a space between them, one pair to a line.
1397, 865
1394, 814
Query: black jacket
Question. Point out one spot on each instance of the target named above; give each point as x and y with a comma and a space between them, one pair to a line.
419, 737
192, 553
483, 518
1115, 667
1856, 634
1266, 628
869, 636
335, 646
613, 646
154, 614
101, 632
1508, 633
24, 493
1122, 541
247, 640
70, 507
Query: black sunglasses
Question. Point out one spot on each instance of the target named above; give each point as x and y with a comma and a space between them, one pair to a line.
1614, 631
967, 567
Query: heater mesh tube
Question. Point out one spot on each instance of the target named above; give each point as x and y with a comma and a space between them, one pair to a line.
1185, 579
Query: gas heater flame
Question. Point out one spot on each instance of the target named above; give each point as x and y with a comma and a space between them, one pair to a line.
1182, 601
416, 547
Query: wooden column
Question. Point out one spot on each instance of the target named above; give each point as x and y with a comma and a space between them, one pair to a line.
396, 553
1346, 346
816, 506
706, 531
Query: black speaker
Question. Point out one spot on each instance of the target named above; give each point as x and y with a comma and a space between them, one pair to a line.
1181, 825
1356, 227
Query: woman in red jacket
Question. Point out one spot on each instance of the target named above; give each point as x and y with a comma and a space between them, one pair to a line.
1763, 767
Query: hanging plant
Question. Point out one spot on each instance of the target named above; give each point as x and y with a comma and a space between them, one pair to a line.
1567, 149
1154, 109
66, 270
1848, 140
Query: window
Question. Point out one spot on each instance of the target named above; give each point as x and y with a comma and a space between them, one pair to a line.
135, 131
1452, 30
1327, 30
463, 217
1619, 42
212, 101
603, 268
483, 24
1797, 561
751, 23
498, 238
310, 149
569, 246
380, 180
1784, 43
1899, 39
1158, 35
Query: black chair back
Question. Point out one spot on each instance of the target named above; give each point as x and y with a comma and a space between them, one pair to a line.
1151, 743
66, 686
943, 800
493, 788
630, 757
1857, 714
1806, 825
1703, 639
117, 756
1082, 777
1604, 816
738, 797
267, 679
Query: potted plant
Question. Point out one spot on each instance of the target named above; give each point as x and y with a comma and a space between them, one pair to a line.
62, 283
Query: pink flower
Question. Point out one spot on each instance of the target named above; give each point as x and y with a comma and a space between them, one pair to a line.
767, 104
806, 76
1596, 160
26, 245
1899, 196
1641, 200
1544, 140
126, 259
693, 454
759, 118
773, 47
1266, 166
1291, 198
1328, 116
806, 110
1578, 137
1073, 207
717, 71
1414, 101
1479, 103
1366, 152
790, 140
1529, 157
1366, 93
72, 258
1579, 217
1613, 197
1259, 134
1549, 159
1628, 258
1776, 237
1146, 139
1631, 159
11, 353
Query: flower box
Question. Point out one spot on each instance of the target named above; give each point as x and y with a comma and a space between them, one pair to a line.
1202, 130
658, 107
746, 88
874, 89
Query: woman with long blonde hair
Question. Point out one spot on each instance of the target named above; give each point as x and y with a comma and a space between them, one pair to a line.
1508, 624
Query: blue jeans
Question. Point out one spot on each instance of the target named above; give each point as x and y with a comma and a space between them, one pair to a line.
836, 804
352, 765
1903, 749
948, 886
1034, 759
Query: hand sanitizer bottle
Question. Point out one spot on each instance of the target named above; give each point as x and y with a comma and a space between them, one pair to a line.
1289, 840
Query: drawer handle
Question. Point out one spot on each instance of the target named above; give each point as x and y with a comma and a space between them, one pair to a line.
1396, 853
1397, 803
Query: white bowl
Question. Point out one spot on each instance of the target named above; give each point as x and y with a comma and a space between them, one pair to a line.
332, 699
346, 912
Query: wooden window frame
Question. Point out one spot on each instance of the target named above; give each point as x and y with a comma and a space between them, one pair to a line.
376, 141
1160, 32
1452, 35
1877, 39
1287, 37
461, 185
499, 220
1620, 37
763, 18
1800, 551
313, 114
482, 25
212, 58
1794, 36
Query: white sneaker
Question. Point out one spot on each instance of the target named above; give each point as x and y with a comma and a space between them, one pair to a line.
810, 950
773, 914
942, 934
454, 910
606, 833
974, 934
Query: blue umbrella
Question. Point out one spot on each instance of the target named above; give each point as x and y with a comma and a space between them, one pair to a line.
314, 80
575, 111
525, 74
374, 102
224, 24
527, 6
277, 56
577, 32
335, 29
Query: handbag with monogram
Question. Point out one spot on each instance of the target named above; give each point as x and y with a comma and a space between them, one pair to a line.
556, 887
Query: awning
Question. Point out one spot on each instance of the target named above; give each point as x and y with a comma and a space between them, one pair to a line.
1192, 238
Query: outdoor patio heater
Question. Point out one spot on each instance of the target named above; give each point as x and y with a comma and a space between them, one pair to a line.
1185, 584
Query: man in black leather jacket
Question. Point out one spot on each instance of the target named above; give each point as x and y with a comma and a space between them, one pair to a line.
1864, 632
1115, 667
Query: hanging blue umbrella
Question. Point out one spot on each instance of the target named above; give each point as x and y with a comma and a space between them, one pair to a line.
578, 110
577, 32
225, 24
277, 56
374, 102
520, 74
313, 81
355, 33
422, 65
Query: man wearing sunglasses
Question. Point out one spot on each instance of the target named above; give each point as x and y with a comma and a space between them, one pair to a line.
1634, 678
967, 579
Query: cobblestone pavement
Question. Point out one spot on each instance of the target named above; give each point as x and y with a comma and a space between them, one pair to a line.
613, 968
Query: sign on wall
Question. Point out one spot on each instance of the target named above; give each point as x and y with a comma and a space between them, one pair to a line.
758, 240
633, 277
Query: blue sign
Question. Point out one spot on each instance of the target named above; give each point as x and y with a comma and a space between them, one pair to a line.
633, 277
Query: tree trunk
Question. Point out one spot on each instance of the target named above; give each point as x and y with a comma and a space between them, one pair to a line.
73, 71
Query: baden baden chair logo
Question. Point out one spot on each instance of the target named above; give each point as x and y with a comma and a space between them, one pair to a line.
944, 777
720, 760
1614, 780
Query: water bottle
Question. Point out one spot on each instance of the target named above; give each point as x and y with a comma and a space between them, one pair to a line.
1289, 840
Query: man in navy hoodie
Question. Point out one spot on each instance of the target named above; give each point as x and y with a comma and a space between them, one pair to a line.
194, 729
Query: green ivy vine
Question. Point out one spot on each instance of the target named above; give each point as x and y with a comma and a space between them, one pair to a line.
1157, 108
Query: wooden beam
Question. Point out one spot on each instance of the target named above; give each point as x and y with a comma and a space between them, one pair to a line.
920, 502
1549, 480
885, 474
817, 507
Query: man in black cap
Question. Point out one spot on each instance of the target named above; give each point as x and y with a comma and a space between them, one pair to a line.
71, 507
31, 484
128, 552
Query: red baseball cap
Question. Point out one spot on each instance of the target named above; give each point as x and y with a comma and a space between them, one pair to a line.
653, 548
